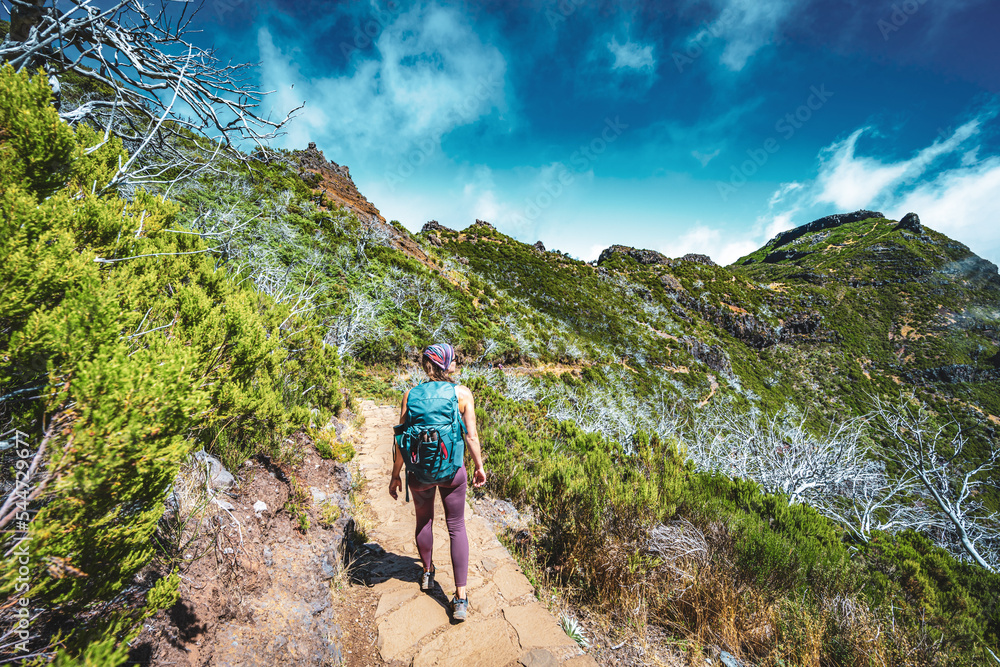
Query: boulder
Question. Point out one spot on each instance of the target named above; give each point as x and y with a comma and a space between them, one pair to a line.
670, 283
435, 226
539, 246
911, 223
219, 479
698, 259
712, 356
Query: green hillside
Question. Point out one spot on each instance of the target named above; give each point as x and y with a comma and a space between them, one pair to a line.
251, 302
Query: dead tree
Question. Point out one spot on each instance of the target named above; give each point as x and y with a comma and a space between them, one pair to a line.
174, 106
933, 454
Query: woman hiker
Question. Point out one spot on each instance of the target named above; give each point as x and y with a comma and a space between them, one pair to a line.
439, 363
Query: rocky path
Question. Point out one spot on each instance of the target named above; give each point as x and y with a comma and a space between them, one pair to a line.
506, 627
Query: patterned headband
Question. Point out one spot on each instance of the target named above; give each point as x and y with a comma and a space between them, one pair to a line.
442, 354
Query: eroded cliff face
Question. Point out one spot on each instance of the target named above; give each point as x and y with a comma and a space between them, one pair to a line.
334, 182
334, 186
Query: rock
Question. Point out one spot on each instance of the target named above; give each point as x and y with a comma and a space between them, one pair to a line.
670, 283
712, 356
475, 643
268, 556
538, 657
785, 256
318, 496
435, 226
535, 627
389, 600
463, 260
219, 478
260, 506
483, 223
640, 255
406, 626
911, 223
698, 259
224, 504
729, 660
375, 548
329, 571
539, 246
511, 583
489, 564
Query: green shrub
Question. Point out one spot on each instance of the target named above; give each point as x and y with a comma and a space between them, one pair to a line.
119, 367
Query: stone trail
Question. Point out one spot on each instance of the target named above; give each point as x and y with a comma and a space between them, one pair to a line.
506, 627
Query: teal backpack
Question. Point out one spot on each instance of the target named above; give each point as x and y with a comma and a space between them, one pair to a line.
431, 437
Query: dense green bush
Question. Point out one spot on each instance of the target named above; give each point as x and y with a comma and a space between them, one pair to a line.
124, 347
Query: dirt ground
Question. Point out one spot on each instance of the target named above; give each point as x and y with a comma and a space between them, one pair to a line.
255, 588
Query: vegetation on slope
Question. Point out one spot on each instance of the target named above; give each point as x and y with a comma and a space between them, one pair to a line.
125, 347
228, 315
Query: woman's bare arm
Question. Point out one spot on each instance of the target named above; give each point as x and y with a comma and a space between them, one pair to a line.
467, 406
395, 481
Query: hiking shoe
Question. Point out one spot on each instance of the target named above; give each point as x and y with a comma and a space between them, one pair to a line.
427, 581
459, 608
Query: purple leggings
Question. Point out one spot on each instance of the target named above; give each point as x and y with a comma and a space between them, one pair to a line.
453, 498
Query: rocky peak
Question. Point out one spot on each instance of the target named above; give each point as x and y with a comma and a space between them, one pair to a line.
435, 226
539, 246
483, 223
312, 159
698, 259
640, 255
829, 221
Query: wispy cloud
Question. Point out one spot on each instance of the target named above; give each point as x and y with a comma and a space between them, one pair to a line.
746, 26
632, 55
947, 183
705, 158
849, 180
428, 73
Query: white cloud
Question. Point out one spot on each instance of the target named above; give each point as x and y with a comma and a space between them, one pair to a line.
947, 183
746, 26
850, 181
961, 203
632, 55
705, 158
430, 73
718, 244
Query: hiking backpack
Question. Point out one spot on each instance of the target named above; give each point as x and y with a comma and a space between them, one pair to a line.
430, 438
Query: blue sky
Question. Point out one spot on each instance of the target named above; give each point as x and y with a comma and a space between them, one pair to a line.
690, 126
